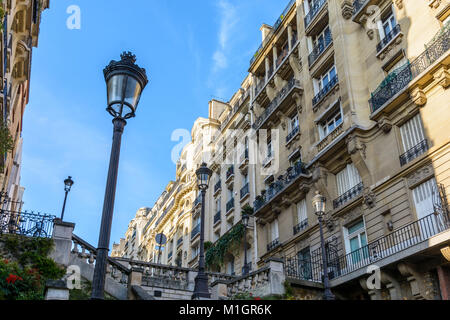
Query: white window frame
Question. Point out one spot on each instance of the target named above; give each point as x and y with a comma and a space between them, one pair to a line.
320, 82
321, 35
381, 23
412, 133
274, 231
293, 122
358, 233
330, 119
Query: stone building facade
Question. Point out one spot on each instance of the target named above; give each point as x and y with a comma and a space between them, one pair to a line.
348, 98
18, 36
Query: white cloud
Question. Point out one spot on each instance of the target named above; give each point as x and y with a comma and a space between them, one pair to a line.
227, 23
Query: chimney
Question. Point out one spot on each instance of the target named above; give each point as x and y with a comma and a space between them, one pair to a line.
265, 30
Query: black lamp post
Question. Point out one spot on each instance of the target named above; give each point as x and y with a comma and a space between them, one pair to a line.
318, 203
201, 280
245, 218
125, 82
68, 183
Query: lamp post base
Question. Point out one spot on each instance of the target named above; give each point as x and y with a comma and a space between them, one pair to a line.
328, 295
201, 291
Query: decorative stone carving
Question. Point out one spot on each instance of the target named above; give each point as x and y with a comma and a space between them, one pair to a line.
370, 34
418, 96
354, 145
347, 9
385, 124
420, 175
296, 66
442, 76
446, 252
369, 198
298, 102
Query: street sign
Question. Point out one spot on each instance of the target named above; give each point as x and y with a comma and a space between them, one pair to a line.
161, 238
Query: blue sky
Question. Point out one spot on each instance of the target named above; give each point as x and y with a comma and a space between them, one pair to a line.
192, 53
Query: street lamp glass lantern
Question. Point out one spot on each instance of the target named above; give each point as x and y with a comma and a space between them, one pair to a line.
245, 219
203, 175
68, 183
318, 203
125, 81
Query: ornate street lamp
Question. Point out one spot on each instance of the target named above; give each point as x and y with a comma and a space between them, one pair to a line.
318, 203
245, 218
125, 82
201, 280
68, 183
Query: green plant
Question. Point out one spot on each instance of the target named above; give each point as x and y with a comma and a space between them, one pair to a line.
6, 140
207, 245
215, 254
247, 209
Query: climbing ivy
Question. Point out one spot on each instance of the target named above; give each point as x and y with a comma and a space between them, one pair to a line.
215, 254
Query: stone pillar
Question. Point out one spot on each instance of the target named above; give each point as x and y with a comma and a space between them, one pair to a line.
62, 238
276, 275
275, 56
219, 290
56, 290
444, 282
267, 64
191, 280
289, 29
134, 279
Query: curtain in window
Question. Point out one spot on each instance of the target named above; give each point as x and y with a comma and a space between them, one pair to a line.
412, 133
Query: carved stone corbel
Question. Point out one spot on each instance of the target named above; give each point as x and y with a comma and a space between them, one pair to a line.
385, 124
271, 92
347, 9
296, 66
442, 76
399, 4
434, 4
354, 145
279, 82
370, 34
417, 281
369, 198
418, 96
298, 101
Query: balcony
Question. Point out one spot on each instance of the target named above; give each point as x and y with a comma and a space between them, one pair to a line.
320, 48
414, 152
195, 232
388, 38
313, 11
399, 79
386, 246
230, 205
292, 134
277, 102
276, 188
301, 226
230, 173
245, 191
325, 90
217, 217
218, 187
348, 195
275, 243
275, 27
235, 109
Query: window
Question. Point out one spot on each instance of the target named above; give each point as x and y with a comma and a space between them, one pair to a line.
304, 264
388, 24
356, 241
412, 133
330, 123
424, 199
195, 251
324, 80
295, 157
230, 266
274, 230
347, 178
293, 123
302, 213
320, 39
244, 179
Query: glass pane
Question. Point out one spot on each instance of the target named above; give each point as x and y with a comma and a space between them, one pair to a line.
132, 92
356, 227
115, 88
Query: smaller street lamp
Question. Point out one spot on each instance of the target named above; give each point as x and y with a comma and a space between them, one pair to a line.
201, 280
68, 183
245, 218
318, 203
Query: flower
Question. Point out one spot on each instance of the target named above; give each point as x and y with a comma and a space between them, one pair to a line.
13, 278
257, 298
6, 261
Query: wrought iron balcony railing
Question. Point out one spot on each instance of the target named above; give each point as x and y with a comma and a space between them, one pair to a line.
292, 134
218, 186
303, 269
274, 104
347, 196
399, 240
313, 11
245, 190
277, 187
26, 223
388, 37
230, 205
414, 152
301, 226
396, 81
217, 217
275, 243
195, 231
320, 48
358, 5
325, 90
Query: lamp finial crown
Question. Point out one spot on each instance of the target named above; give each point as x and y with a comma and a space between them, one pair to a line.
128, 56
